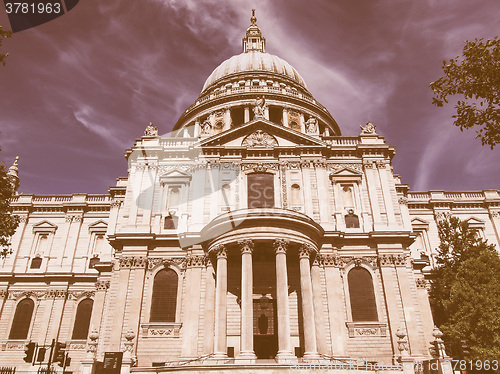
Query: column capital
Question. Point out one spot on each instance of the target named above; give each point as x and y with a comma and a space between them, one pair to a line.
219, 250
305, 250
246, 245
280, 245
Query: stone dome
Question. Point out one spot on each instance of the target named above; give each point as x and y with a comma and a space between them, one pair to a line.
254, 61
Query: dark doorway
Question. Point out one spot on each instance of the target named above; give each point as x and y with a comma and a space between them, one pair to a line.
265, 328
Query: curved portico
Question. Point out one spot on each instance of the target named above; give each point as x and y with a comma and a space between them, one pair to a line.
275, 235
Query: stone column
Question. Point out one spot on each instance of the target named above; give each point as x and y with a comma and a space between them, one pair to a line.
191, 318
208, 328
101, 287
335, 299
284, 342
318, 307
246, 345
227, 119
197, 129
220, 343
285, 117
310, 349
392, 297
386, 192
246, 117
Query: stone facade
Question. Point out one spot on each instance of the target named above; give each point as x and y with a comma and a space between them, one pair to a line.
285, 240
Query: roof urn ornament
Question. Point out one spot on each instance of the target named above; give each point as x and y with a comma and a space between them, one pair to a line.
151, 130
368, 129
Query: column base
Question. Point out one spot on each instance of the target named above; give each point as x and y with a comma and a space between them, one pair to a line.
219, 356
246, 357
285, 357
311, 356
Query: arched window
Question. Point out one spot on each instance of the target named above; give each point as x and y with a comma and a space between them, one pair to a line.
82, 319
22, 319
260, 190
164, 300
362, 296
295, 194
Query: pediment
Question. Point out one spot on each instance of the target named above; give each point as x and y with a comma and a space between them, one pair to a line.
44, 226
475, 223
175, 176
346, 174
260, 133
98, 226
419, 223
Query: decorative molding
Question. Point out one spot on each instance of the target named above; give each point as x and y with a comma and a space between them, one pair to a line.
15, 295
363, 329
332, 260
422, 283
260, 167
284, 194
101, 285
133, 262
56, 294
4, 294
259, 138
161, 330
13, 346
75, 295
180, 262
396, 260
356, 167
368, 164
495, 214
403, 200
196, 261
74, 346
291, 165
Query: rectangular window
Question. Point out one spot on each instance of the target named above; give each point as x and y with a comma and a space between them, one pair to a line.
260, 190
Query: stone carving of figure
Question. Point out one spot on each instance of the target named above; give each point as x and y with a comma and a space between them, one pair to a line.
311, 125
206, 127
369, 128
259, 139
260, 107
151, 130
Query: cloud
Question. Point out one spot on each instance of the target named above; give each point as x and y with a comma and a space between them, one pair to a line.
91, 120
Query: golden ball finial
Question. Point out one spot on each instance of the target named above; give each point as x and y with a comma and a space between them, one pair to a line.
253, 19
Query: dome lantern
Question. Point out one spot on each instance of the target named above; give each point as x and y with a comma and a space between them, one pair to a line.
253, 40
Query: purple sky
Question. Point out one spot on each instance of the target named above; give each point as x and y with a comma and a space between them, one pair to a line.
78, 90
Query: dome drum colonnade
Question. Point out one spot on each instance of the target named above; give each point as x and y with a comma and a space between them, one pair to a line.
289, 233
233, 88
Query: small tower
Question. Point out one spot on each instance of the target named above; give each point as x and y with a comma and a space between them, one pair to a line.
13, 175
253, 40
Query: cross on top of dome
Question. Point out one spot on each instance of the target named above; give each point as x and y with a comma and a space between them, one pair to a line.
253, 40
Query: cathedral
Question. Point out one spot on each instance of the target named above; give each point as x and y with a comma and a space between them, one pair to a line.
254, 238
